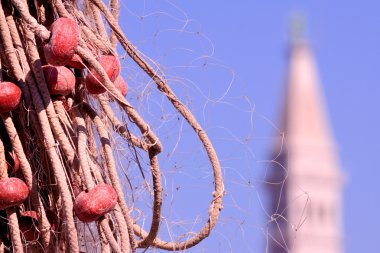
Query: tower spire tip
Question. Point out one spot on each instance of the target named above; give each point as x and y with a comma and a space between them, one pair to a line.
298, 27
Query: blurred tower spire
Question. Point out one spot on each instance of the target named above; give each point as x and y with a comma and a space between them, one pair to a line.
297, 27
305, 182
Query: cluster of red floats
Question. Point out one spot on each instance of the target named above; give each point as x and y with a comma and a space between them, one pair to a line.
60, 52
60, 55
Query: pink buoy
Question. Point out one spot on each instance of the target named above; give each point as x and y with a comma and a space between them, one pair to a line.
76, 62
60, 80
13, 192
10, 96
92, 205
63, 42
93, 80
121, 85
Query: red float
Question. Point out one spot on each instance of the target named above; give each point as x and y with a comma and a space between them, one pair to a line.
60, 80
121, 85
63, 42
94, 204
13, 191
76, 62
10, 96
93, 80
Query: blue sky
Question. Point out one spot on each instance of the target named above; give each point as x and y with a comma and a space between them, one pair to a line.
227, 60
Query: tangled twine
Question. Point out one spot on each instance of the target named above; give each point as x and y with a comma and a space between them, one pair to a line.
67, 136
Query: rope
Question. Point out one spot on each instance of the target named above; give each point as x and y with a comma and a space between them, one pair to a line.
62, 143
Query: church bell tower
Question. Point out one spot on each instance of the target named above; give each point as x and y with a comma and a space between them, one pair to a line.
305, 180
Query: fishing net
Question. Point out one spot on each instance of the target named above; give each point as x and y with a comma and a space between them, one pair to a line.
62, 102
